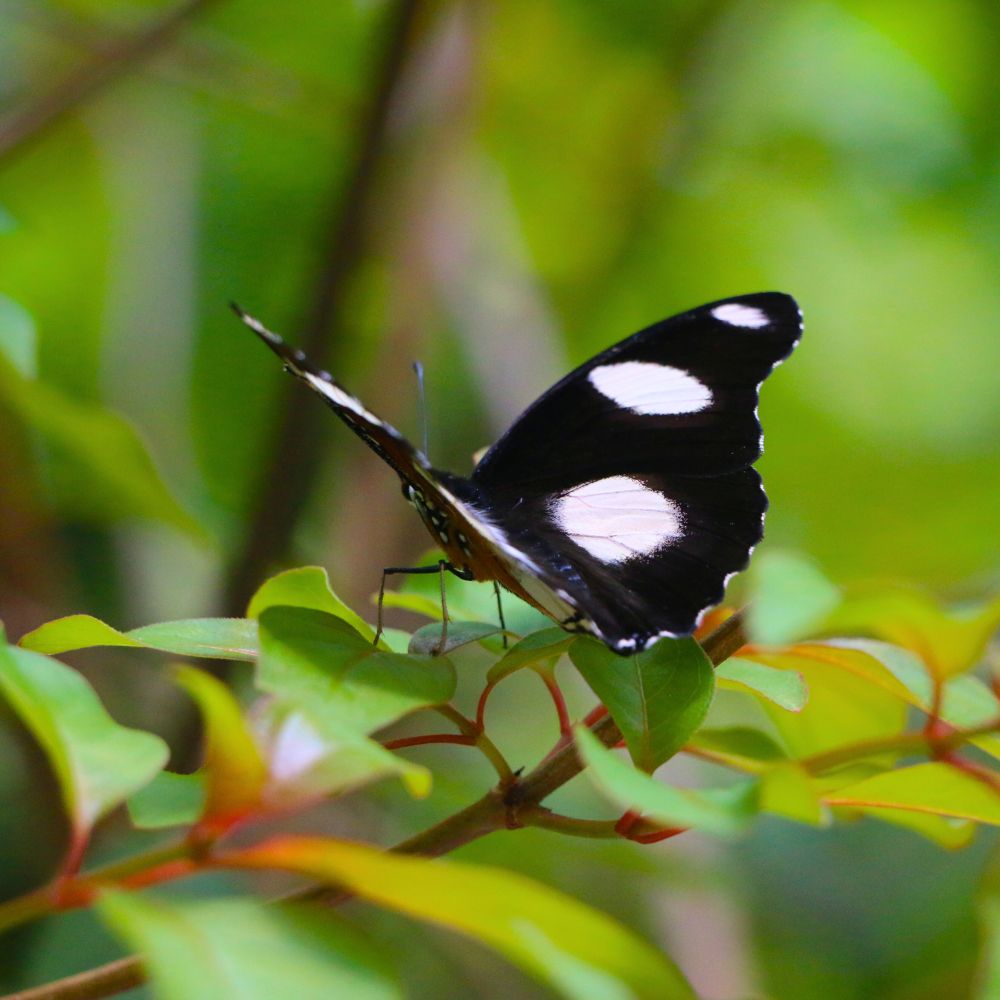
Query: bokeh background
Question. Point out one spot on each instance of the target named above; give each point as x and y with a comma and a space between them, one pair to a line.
500, 190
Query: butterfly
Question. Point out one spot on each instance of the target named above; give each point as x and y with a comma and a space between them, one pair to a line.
622, 500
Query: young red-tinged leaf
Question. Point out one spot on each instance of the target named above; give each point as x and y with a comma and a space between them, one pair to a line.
97, 762
852, 697
791, 597
237, 949
948, 641
426, 641
235, 772
931, 788
168, 800
579, 951
788, 790
545, 644
311, 755
305, 587
722, 811
785, 688
212, 638
310, 657
658, 698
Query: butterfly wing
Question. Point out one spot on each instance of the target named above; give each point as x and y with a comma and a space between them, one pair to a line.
628, 486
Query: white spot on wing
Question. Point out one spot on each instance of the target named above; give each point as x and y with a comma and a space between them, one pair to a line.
617, 518
648, 388
739, 315
341, 397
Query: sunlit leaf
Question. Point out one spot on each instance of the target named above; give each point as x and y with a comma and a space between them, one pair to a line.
578, 951
788, 790
786, 688
934, 788
426, 640
213, 638
948, 641
305, 587
545, 644
168, 800
312, 657
947, 831
235, 772
100, 467
240, 950
791, 597
98, 763
658, 698
737, 746
18, 338
723, 811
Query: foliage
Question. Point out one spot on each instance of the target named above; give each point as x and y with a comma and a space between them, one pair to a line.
835, 739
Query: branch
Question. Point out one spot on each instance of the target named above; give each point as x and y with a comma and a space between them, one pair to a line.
496, 810
292, 460
26, 124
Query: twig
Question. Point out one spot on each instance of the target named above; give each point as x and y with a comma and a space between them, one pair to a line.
27, 123
292, 458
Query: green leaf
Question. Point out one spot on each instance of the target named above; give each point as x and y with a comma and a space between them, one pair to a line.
852, 697
311, 657
212, 638
417, 603
18, 338
946, 831
791, 598
580, 952
785, 688
98, 763
426, 640
235, 772
738, 746
240, 950
658, 698
788, 790
545, 644
168, 800
100, 468
949, 642
305, 587
722, 811
311, 755
931, 788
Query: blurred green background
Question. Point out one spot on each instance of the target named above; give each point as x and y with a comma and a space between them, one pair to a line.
500, 190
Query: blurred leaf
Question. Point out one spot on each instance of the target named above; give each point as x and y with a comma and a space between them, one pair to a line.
933, 788
949, 642
18, 339
240, 950
170, 799
312, 657
946, 831
722, 811
425, 640
100, 467
987, 981
417, 603
852, 697
213, 638
791, 597
739, 746
305, 587
235, 773
788, 790
311, 755
545, 644
578, 951
785, 688
658, 698
97, 762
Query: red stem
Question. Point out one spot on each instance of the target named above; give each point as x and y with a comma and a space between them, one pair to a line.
419, 741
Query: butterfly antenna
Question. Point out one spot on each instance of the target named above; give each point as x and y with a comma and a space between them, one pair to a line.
418, 370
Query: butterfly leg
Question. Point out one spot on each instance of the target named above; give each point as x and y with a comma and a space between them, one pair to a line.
441, 567
503, 623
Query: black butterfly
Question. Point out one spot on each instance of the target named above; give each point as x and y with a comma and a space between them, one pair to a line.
623, 499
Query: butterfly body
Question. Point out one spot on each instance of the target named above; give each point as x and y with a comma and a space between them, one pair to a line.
622, 501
